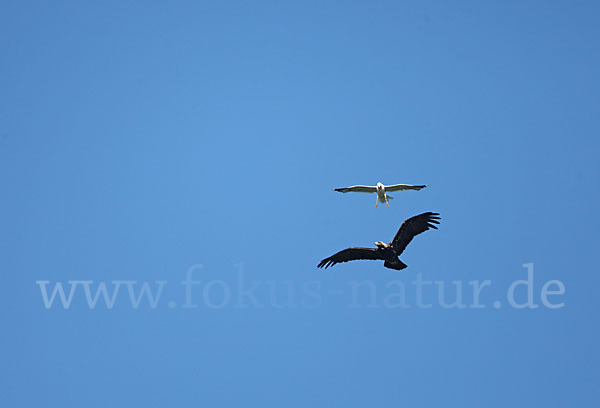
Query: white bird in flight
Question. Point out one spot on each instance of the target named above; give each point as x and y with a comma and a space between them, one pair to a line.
381, 191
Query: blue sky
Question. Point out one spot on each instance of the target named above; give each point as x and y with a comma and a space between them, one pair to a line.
138, 139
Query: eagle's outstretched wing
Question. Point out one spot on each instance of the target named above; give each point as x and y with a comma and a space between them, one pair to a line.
357, 189
350, 254
399, 187
413, 227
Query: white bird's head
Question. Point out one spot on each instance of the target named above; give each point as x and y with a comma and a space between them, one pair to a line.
379, 186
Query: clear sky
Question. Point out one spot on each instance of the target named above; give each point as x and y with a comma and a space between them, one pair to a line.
138, 139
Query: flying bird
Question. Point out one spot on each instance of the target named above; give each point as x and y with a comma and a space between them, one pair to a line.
387, 252
381, 191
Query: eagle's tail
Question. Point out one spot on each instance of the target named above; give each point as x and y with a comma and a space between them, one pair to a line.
396, 264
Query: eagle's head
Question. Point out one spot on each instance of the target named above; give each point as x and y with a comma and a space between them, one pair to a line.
381, 245
379, 186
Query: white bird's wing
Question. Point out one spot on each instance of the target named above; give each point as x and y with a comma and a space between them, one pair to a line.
358, 189
400, 187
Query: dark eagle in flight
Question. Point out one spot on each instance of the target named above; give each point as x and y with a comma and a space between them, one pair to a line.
387, 252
